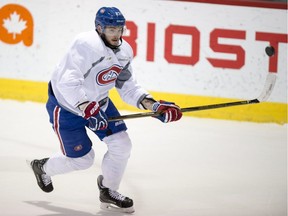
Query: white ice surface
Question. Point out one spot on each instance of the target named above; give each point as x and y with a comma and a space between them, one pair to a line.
195, 167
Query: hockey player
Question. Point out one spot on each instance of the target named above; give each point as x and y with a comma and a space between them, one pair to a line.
96, 62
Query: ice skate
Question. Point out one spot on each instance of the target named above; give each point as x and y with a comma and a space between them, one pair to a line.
112, 200
43, 180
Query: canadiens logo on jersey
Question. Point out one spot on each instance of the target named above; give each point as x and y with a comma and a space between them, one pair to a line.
109, 75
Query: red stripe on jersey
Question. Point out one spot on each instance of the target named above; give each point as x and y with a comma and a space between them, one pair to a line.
56, 126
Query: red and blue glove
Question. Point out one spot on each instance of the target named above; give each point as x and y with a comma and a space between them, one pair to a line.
98, 120
168, 111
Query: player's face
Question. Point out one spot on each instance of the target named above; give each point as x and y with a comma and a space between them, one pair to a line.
113, 34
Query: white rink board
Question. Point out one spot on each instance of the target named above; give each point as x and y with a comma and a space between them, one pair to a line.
57, 22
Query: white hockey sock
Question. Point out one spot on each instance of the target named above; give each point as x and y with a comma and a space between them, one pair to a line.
116, 158
60, 164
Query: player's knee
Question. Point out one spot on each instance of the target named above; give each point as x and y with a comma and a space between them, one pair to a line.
119, 144
83, 162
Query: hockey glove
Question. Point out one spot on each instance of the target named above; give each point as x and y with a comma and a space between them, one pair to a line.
168, 111
99, 121
96, 117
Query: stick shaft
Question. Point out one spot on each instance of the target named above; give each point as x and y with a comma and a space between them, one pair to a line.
187, 109
221, 105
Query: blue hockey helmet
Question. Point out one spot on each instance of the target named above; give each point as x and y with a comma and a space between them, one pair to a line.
109, 16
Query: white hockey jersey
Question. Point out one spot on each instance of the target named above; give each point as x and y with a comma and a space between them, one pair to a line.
90, 69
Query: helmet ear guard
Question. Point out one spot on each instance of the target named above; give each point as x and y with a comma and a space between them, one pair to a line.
99, 29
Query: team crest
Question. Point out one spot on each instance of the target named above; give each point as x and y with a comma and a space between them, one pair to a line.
78, 148
109, 75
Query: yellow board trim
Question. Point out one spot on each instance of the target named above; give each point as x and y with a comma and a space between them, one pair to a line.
22, 90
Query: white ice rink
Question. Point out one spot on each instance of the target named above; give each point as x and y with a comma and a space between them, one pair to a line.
195, 167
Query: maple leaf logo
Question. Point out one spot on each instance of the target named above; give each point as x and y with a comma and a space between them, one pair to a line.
14, 24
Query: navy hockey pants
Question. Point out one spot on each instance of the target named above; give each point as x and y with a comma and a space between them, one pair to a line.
71, 129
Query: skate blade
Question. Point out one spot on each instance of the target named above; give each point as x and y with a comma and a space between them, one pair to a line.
113, 208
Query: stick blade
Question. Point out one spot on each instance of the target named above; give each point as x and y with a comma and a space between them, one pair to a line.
268, 87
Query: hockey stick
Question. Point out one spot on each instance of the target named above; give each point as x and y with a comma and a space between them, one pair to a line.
267, 90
